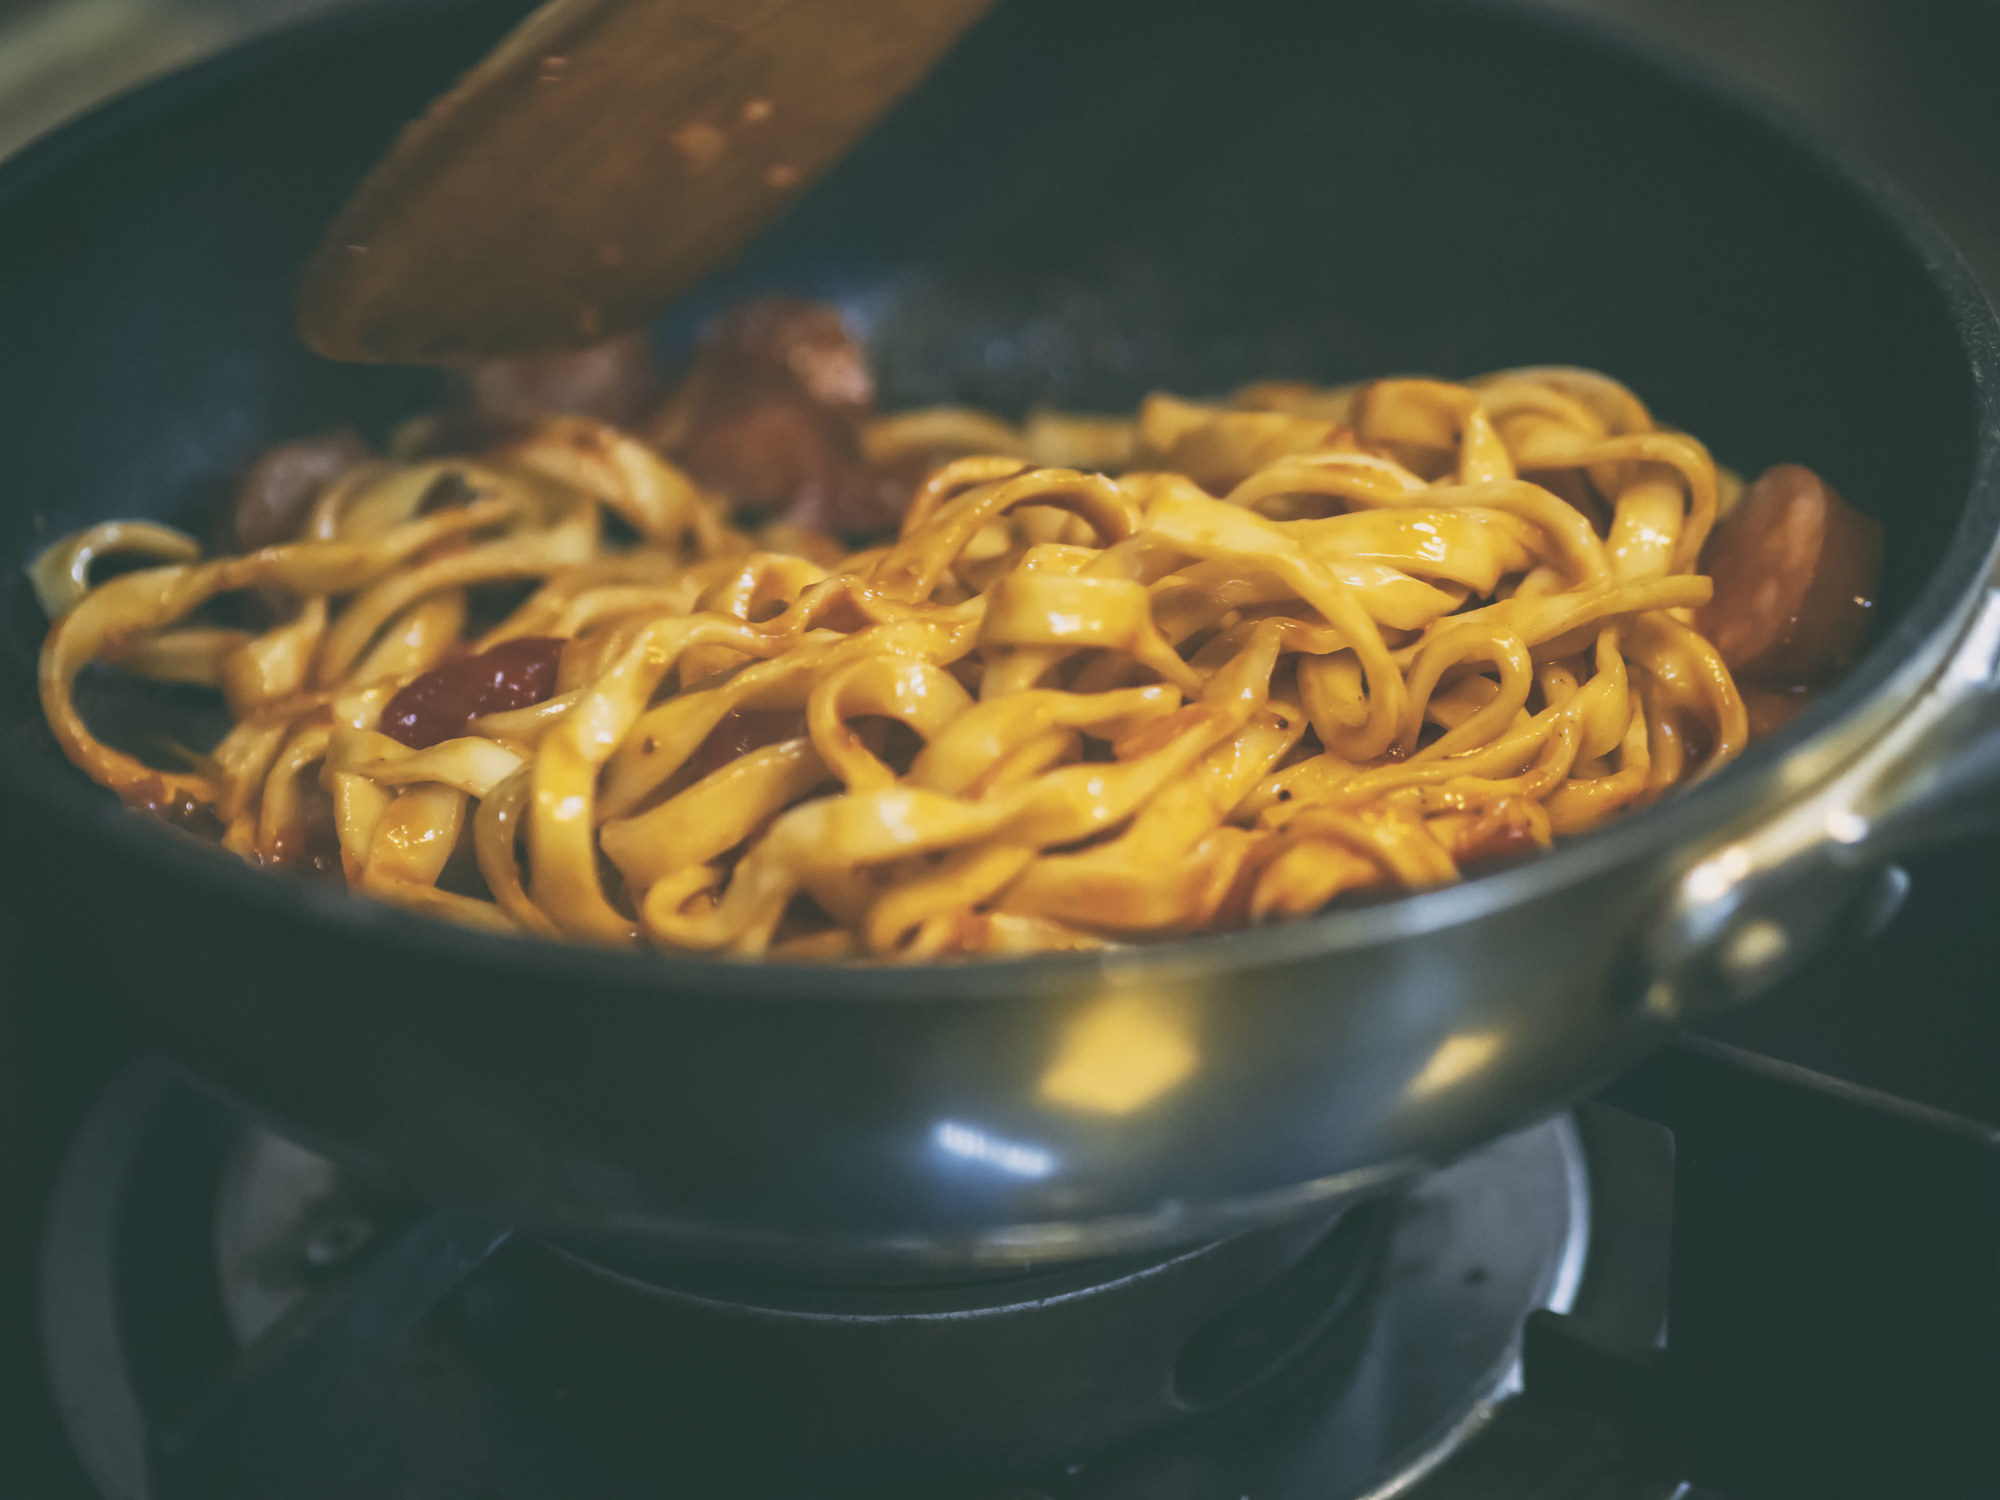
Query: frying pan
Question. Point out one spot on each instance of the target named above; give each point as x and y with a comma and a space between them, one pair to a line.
1084, 202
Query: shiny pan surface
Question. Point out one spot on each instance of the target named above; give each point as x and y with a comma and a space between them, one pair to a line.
1085, 202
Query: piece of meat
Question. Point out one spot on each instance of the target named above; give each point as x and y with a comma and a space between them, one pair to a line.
274, 496
438, 705
770, 415
615, 382
1795, 570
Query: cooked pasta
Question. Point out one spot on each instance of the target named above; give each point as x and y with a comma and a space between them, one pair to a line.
1113, 680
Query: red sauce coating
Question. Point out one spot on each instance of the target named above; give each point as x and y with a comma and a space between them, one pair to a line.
1498, 844
1771, 709
439, 704
177, 810
745, 730
1795, 570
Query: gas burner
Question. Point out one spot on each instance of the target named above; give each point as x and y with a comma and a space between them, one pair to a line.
227, 1314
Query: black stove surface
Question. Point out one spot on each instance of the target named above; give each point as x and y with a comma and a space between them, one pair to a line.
1835, 1273
227, 1315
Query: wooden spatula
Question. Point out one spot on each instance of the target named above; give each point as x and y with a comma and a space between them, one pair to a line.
603, 158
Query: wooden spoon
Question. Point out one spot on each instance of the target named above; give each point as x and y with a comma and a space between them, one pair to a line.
601, 160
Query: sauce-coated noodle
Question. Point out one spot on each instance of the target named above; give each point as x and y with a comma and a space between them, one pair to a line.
1304, 643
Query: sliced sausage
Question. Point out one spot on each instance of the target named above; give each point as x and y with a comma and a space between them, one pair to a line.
272, 501
1795, 570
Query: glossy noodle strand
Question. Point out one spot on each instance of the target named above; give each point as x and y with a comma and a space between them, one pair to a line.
1112, 681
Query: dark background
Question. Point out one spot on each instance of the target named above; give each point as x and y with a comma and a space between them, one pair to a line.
1910, 84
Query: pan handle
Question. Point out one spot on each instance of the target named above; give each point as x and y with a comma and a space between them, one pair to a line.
1750, 908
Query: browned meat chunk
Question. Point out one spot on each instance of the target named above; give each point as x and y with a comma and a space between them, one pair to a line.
770, 415
272, 500
614, 382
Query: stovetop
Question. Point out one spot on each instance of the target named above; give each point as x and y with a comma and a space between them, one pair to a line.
1835, 1212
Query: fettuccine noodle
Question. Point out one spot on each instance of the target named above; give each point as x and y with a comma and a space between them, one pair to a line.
1115, 679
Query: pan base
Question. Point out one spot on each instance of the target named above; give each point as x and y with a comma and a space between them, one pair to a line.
227, 1315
